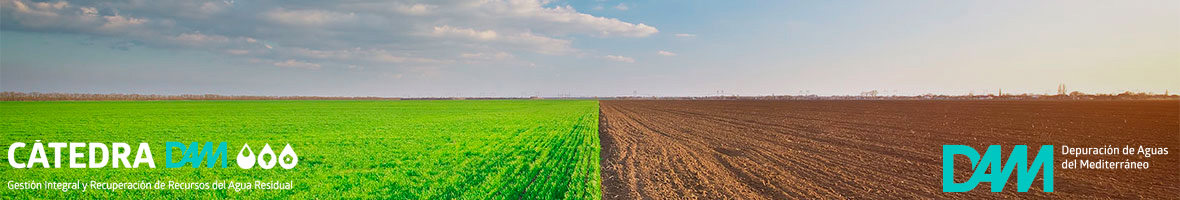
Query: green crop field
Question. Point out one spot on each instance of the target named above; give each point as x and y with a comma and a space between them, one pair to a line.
469, 149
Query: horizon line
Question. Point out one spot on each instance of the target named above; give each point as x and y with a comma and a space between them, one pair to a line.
24, 96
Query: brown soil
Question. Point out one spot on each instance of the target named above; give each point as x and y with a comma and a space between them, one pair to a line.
871, 149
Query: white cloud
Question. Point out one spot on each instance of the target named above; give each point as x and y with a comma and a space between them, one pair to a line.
354, 55
448, 31
120, 22
43, 9
685, 35
89, 11
622, 6
619, 58
388, 57
43, 15
524, 40
66, 17
307, 17
198, 39
488, 56
560, 19
414, 9
297, 64
209, 8
237, 51
541, 44
665, 53
395, 33
502, 15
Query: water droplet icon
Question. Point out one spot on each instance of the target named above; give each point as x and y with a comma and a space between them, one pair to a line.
265, 153
289, 158
244, 161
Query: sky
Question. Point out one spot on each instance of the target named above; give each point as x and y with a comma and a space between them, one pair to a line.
513, 48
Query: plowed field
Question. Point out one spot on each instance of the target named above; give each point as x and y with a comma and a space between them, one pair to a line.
878, 149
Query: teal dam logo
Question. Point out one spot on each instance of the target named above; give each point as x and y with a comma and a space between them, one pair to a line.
1000, 172
211, 154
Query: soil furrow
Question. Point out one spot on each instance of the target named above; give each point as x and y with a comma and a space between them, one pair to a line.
865, 149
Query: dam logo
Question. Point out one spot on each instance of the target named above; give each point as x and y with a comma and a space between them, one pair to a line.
116, 155
1000, 172
211, 155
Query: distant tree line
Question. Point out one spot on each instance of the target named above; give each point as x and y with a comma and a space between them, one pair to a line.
871, 95
36, 96
875, 95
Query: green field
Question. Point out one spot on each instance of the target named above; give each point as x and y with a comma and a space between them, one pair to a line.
471, 149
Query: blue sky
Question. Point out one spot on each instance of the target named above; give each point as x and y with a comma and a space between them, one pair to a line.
586, 48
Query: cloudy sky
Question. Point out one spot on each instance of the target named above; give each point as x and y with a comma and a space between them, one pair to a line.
586, 48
